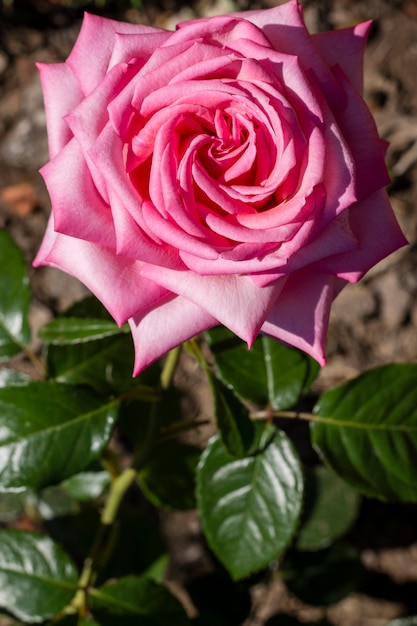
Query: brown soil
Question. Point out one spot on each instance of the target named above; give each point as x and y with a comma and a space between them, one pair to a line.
372, 323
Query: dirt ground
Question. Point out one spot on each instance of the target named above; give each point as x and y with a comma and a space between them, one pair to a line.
373, 322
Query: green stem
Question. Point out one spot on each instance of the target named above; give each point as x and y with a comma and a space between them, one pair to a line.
117, 492
170, 365
100, 552
269, 413
194, 348
104, 542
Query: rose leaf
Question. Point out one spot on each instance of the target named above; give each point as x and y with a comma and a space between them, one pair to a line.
366, 431
74, 330
330, 509
232, 419
15, 298
267, 374
50, 432
131, 598
37, 578
250, 507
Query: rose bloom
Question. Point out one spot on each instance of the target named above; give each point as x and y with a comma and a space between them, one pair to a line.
225, 173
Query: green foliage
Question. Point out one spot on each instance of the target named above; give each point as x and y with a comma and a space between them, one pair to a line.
168, 477
14, 300
37, 579
232, 419
270, 374
86, 485
330, 509
367, 432
89, 456
250, 506
49, 432
73, 330
124, 601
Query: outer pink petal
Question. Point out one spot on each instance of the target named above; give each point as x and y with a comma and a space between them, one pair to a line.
79, 210
300, 316
368, 150
89, 118
164, 327
116, 281
93, 50
58, 102
378, 234
284, 27
287, 14
345, 47
234, 301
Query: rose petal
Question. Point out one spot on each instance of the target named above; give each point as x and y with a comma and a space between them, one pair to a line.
164, 327
78, 208
335, 239
345, 47
57, 105
367, 149
222, 30
233, 300
107, 276
373, 215
303, 322
285, 29
93, 50
125, 46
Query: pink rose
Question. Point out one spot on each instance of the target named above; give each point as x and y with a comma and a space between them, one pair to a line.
225, 173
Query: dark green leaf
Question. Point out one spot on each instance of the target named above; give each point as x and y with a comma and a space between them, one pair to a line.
268, 374
14, 298
50, 432
86, 485
123, 602
232, 419
330, 509
75, 330
323, 577
168, 478
105, 364
250, 507
88, 308
366, 431
37, 578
